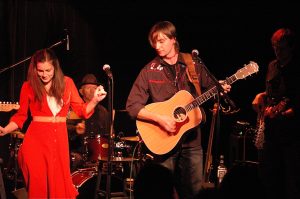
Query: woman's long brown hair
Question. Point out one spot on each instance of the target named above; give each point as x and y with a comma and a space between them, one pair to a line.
58, 83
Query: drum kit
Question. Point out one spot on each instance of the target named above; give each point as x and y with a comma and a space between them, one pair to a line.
125, 163
96, 148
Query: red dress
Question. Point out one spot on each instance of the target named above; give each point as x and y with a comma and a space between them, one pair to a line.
44, 154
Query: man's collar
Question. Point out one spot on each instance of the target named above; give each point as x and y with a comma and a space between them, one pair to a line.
179, 60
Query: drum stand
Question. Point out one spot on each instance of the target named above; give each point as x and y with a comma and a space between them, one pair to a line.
120, 193
12, 173
2, 187
132, 163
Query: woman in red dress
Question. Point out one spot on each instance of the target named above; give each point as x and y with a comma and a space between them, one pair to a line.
44, 154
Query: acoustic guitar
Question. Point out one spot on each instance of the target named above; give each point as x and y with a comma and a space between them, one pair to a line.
186, 112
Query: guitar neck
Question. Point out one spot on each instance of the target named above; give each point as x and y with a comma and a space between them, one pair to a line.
207, 95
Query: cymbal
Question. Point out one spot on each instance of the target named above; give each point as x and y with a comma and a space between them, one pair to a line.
119, 159
18, 134
121, 110
73, 116
131, 138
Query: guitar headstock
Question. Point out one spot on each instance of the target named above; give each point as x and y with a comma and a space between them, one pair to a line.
8, 106
247, 70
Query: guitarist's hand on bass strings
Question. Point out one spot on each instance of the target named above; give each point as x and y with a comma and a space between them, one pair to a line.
271, 112
278, 110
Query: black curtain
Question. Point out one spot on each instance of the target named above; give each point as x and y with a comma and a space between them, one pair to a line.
113, 32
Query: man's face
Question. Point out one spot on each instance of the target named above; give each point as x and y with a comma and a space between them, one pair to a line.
281, 49
87, 91
164, 46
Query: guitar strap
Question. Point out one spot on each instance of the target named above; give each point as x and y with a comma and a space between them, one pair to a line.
191, 71
193, 77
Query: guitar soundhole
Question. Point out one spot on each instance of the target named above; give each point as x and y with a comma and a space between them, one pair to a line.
180, 114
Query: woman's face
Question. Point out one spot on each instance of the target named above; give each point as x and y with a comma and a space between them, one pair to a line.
45, 71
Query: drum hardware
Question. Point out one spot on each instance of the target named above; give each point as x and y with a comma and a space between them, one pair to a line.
241, 143
12, 172
122, 162
2, 187
128, 186
121, 149
131, 138
243, 128
118, 169
125, 162
77, 160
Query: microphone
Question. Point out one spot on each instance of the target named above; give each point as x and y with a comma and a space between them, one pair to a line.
195, 56
195, 53
68, 42
106, 68
67, 39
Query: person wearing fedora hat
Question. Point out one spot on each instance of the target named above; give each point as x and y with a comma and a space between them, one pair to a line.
86, 136
89, 79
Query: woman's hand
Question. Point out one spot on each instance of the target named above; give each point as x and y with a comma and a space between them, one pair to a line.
2, 131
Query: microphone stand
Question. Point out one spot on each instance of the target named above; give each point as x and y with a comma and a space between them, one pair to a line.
28, 58
110, 109
110, 138
215, 119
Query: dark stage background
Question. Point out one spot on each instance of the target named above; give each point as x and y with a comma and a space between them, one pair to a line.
227, 36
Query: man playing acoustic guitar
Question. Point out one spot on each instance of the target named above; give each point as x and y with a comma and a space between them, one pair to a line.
157, 82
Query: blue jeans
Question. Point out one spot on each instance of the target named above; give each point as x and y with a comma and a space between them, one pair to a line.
187, 167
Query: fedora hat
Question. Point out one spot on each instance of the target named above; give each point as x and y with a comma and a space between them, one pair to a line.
89, 79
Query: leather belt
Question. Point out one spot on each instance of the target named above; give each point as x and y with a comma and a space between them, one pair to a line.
53, 119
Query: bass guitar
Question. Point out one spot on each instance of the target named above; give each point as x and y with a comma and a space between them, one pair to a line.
276, 108
186, 112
